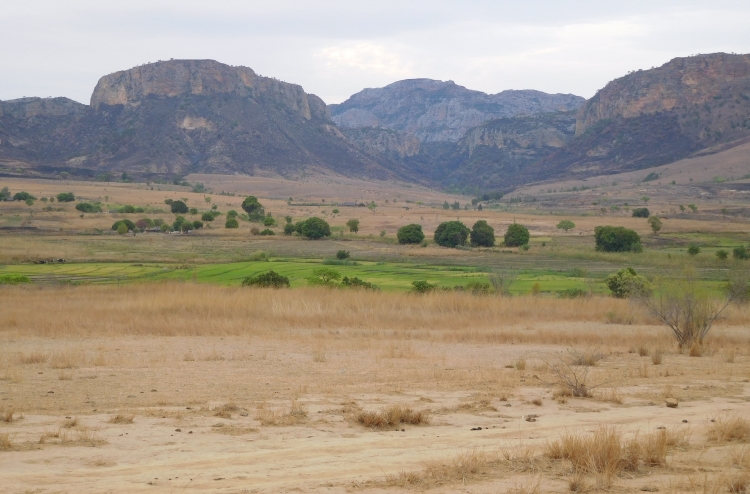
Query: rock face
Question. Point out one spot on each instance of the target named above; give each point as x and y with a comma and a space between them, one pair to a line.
178, 117
437, 111
654, 117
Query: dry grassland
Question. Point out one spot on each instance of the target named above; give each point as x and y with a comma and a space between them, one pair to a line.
197, 388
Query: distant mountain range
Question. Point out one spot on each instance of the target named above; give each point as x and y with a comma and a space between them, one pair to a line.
182, 116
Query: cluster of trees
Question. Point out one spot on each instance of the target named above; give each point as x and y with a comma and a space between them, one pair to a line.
617, 239
23, 196
87, 207
180, 224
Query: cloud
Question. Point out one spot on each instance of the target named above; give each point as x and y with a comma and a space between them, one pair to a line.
365, 56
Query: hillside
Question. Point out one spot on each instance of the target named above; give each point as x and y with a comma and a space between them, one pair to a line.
179, 117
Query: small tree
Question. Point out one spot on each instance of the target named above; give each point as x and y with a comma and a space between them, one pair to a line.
253, 208
451, 234
421, 286
693, 208
617, 239
566, 225
271, 279
66, 197
342, 254
197, 225
122, 229
446, 205
353, 225
193, 211
410, 234
516, 235
231, 223
22, 196
288, 219
722, 255
693, 250
324, 277
645, 199
641, 213
232, 213
740, 253
655, 224
315, 228
207, 217
625, 283
289, 229
178, 207
482, 234
455, 206
269, 221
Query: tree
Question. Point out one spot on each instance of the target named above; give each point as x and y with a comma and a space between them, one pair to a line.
231, 213
357, 283
87, 207
66, 197
178, 207
168, 202
455, 206
410, 234
315, 228
626, 283
207, 217
193, 211
722, 255
269, 221
740, 253
482, 234
422, 286
693, 208
516, 235
566, 225
451, 234
693, 250
253, 208
197, 225
645, 199
446, 205
324, 277
22, 196
289, 229
655, 223
271, 279
353, 225
342, 254
122, 229
231, 223
617, 239
4, 194
288, 219
128, 224
186, 226
29, 202
267, 231
641, 213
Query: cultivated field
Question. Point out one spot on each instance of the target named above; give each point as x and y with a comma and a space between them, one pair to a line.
140, 365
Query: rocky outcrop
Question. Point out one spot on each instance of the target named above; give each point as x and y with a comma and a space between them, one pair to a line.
437, 111
25, 108
379, 141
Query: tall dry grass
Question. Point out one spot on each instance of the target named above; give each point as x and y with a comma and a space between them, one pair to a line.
185, 309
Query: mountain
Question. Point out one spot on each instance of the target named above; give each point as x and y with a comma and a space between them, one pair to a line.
688, 106
438, 111
182, 116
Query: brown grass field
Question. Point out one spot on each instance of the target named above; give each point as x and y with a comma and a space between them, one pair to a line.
187, 387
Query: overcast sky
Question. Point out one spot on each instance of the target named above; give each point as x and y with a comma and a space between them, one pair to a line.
334, 48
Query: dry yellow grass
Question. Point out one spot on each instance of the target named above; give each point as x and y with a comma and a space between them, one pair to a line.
393, 416
5, 443
729, 428
121, 419
297, 414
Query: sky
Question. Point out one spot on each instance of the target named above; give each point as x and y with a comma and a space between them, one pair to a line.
335, 48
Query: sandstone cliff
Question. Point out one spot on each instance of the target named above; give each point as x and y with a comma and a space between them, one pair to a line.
437, 111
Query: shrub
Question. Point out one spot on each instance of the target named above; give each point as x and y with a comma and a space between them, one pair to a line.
254, 231
566, 225
87, 207
617, 239
197, 224
231, 223
4, 194
193, 211
641, 213
208, 217
451, 234
357, 283
164, 227
268, 231
22, 196
288, 219
410, 234
516, 235
740, 253
422, 286
626, 283
178, 207
271, 279
478, 288
186, 226
342, 254
122, 229
482, 234
693, 250
315, 228
66, 197
253, 208
269, 221
168, 202
128, 224
722, 255
289, 229
353, 225
324, 277
231, 213
13, 279
655, 224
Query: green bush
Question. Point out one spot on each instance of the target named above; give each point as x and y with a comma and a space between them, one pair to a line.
231, 223
271, 279
122, 229
178, 207
641, 213
617, 239
482, 234
66, 197
353, 225
87, 207
164, 227
13, 279
5, 194
478, 288
740, 253
722, 255
422, 286
572, 293
342, 254
410, 234
626, 283
269, 221
253, 208
128, 224
268, 231
232, 213
516, 235
23, 196
693, 250
451, 234
357, 283
324, 277
566, 225
208, 217
655, 224
197, 225
315, 228
289, 229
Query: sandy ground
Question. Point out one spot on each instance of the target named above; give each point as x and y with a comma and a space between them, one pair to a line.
175, 387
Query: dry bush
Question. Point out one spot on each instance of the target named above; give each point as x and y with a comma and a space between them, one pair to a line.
727, 429
729, 356
49, 435
657, 357
741, 458
65, 376
81, 437
11, 375
643, 351
393, 416
537, 402
66, 359
8, 415
740, 484
520, 364
297, 414
121, 419
32, 358
5, 443
696, 349
225, 411
319, 356
567, 375
610, 395
588, 358
70, 423
460, 469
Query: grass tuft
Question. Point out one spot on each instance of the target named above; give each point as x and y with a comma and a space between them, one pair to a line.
728, 429
121, 419
393, 416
